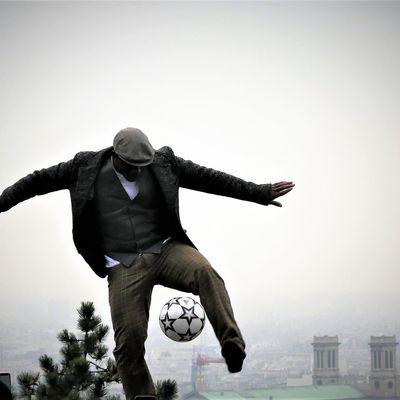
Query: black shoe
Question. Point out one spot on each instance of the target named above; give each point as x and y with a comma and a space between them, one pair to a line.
234, 356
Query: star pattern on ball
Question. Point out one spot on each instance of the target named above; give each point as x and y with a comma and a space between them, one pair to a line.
167, 323
173, 301
187, 337
189, 314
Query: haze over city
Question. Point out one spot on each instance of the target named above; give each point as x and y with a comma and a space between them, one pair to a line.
267, 91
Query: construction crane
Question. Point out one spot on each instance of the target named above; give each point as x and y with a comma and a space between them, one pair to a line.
198, 365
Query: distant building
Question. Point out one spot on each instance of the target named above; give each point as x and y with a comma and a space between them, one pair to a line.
383, 380
299, 380
323, 392
326, 360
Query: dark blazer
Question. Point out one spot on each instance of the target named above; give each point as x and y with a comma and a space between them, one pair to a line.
79, 175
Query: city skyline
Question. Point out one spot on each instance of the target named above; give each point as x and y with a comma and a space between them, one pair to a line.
284, 360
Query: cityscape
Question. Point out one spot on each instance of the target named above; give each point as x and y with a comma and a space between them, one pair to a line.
281, 353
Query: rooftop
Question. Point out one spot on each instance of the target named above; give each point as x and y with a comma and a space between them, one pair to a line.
323, 392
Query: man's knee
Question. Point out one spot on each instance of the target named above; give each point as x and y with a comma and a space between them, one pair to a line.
207, 275
130, 338
129, 350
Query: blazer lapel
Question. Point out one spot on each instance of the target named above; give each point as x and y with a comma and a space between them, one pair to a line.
86, 178
167, 180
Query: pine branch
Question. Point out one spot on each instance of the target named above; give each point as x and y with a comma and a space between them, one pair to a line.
66, 337
166, 389
41, 392
97, 390
102, 331
99, 352
28, 381
80, 373
70, 352
113, 375
86, 310
98, 367
74, 395
52, 379
47, 364
87, 320
88, 324
89, 343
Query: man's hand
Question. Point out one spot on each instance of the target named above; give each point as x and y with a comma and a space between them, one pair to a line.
279, 189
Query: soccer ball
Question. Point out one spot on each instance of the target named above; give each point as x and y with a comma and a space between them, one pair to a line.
182, 319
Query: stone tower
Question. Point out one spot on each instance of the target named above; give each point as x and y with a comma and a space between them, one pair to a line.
326, 360
382, 379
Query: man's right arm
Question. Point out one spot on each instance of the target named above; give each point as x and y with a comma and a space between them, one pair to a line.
39, 182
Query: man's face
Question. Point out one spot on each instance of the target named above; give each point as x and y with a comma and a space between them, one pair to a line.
130, 172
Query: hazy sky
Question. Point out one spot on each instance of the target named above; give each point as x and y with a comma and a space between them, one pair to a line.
268, 91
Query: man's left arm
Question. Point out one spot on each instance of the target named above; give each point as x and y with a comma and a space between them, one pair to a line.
197, 177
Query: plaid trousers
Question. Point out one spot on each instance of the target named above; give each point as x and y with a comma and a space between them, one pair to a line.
180, 267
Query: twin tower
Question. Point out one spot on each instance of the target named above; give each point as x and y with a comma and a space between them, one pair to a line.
383, 378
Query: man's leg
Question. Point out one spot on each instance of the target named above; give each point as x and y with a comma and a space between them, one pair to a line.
130, 295
183, 268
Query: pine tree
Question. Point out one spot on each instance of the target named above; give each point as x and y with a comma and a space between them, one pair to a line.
166, 389
28, 382
83, 372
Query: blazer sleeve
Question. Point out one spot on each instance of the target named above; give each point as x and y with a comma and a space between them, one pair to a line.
39, 182
197, 177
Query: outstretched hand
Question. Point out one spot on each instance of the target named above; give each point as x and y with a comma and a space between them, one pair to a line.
280, 189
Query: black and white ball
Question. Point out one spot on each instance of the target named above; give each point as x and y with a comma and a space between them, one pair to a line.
182, 319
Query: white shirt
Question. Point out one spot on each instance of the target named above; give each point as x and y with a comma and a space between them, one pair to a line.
131, 188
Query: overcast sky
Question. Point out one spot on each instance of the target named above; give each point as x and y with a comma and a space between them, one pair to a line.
267, 91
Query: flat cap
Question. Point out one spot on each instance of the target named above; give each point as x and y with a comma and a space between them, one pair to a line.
133, 147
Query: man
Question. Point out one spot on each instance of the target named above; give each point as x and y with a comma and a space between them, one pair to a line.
126, 226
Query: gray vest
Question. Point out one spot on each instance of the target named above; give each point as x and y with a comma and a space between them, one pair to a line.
128, 227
